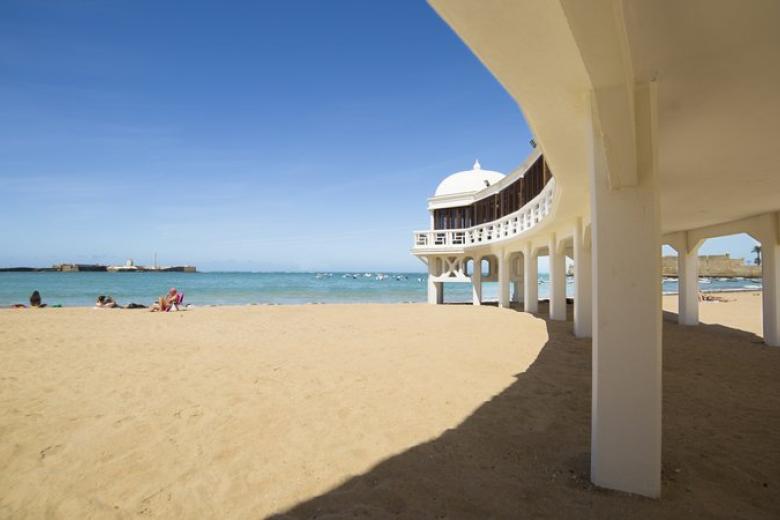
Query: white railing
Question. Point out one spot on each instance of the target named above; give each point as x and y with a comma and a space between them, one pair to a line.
508, 226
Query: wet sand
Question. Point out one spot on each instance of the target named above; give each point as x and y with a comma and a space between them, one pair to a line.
375, 411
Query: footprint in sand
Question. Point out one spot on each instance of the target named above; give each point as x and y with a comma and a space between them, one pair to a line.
50, 450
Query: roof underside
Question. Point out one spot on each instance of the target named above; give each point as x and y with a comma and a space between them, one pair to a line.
715, 62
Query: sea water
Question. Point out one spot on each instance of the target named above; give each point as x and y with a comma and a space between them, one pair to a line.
241, 288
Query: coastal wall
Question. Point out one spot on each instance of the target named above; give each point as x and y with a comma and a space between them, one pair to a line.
716, 265
65, 268
72, 268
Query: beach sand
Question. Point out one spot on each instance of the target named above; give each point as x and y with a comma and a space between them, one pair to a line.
372, 411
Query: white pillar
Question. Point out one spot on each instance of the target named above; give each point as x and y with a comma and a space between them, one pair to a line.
517, 291
626, 389
557, 281
583, 295
518, 268
503, 280
476, 282
688, 285
770, 273
435, 289
530, 284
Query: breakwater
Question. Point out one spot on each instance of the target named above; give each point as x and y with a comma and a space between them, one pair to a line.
96, 268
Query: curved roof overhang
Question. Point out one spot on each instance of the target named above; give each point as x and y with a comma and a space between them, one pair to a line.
714, 64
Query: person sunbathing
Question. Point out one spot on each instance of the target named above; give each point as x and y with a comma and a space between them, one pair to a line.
161, 305
106, 302
703, 297
169, 302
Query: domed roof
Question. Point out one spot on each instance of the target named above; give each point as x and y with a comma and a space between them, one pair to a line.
468, 181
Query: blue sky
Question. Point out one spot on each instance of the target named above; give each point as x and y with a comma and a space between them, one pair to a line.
245, 135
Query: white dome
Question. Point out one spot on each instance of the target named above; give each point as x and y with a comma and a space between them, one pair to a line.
469, 181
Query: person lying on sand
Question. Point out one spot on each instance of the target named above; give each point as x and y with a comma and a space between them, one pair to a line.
35, 300
106, 302
713, 298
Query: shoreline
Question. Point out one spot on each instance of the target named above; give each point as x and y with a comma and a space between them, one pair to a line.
207, 289
219, 306
715, 291
306, 304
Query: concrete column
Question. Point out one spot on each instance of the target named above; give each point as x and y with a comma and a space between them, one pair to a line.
557, 281
530, 284
476, 282
517, 291
583, 295
626, 389
503, 280
435, 289
516, 272
688, 285
436, 293
770, 273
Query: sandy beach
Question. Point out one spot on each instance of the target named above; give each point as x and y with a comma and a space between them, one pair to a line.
372, 411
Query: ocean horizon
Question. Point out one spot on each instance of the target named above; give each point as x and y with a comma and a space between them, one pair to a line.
79, 289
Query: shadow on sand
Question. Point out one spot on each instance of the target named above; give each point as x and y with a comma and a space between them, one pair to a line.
525, 453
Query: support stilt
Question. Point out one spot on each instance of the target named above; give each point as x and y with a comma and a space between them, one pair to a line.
770, 273
476, 282
688, 284
557, 281
626, 389
503, 280
530, 284
583, 280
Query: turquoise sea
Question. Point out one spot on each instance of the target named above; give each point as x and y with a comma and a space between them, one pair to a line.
240, 288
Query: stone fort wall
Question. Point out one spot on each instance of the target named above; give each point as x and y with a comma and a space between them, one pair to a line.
715, 265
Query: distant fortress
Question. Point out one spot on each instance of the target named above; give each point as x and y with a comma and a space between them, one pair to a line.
719, 266
716, 265
128, 267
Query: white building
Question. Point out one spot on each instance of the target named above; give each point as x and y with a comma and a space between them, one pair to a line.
657, 121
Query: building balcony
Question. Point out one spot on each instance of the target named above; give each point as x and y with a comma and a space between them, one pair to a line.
504, 228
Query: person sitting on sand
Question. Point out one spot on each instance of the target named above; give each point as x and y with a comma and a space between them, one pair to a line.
106, 302
169, 302
161, 305
35, 300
